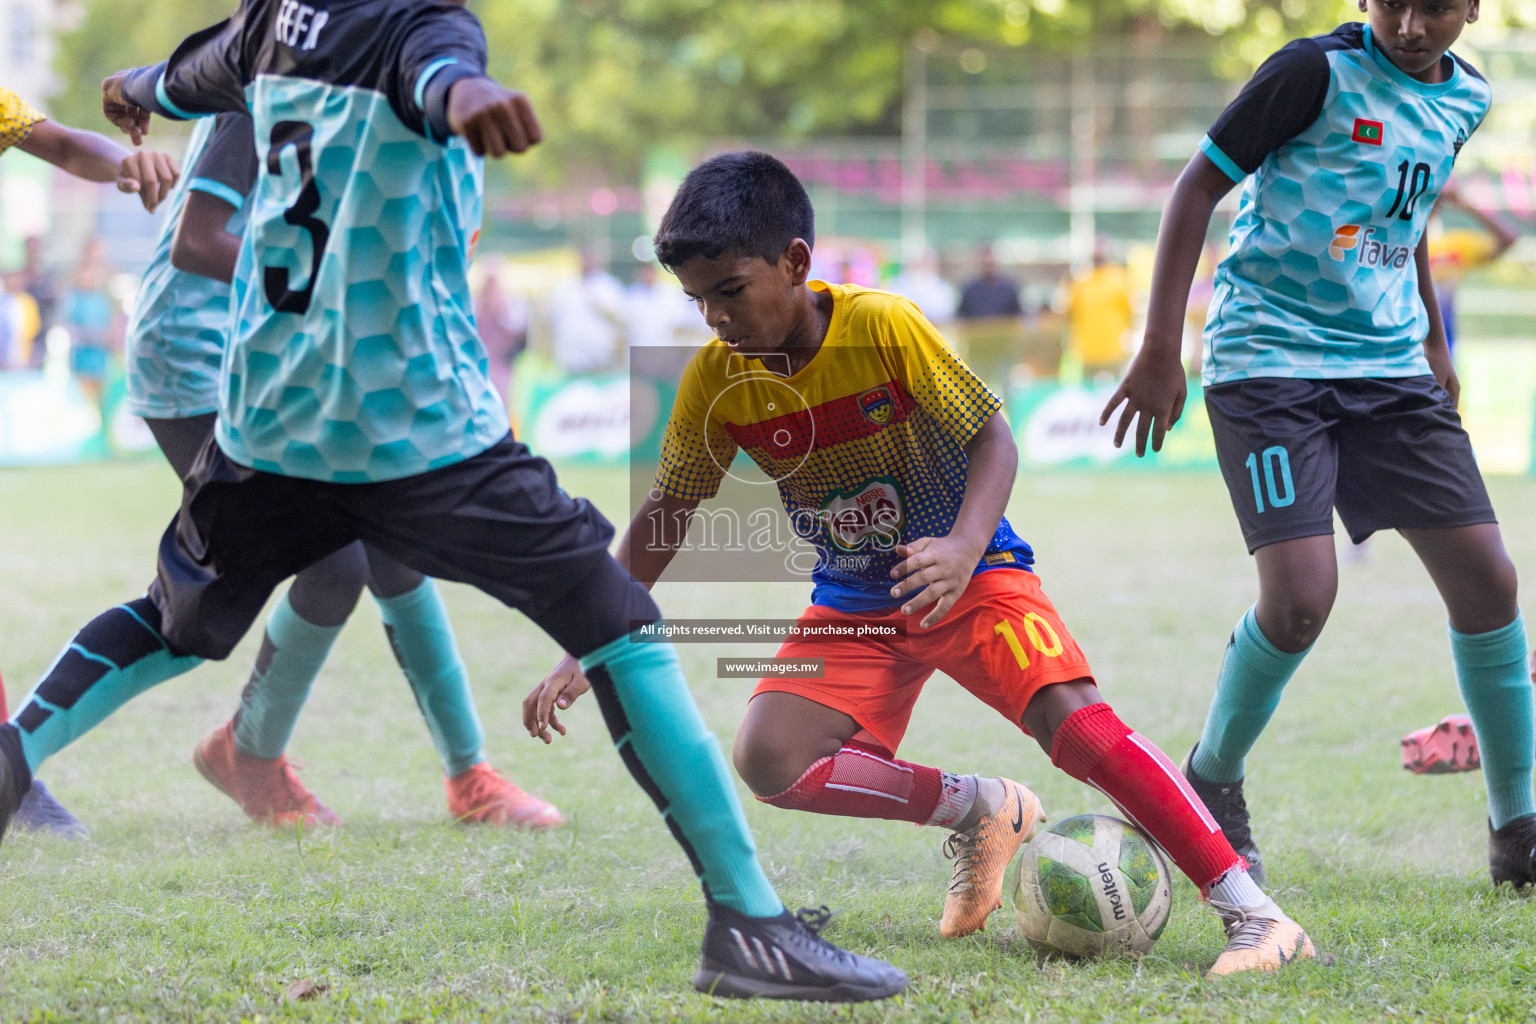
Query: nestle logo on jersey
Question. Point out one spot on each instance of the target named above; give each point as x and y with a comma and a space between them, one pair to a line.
1371, 133
1372, 253
299, 25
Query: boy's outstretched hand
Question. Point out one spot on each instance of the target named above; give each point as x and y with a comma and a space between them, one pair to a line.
942, 564
150, 174
493, 119
131, 119
559, 689
1153, 392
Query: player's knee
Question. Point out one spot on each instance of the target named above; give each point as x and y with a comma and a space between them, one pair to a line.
1491, 604
767, 764
1295, 624
1503, 588
326, 592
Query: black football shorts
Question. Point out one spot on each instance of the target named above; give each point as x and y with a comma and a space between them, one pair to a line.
498, 521
1388, 453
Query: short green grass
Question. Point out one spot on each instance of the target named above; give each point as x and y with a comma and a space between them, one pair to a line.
177, 910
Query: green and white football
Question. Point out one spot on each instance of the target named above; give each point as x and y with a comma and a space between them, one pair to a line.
1091, 886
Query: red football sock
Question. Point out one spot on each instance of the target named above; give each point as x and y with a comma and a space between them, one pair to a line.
863, 780
1095, 747
5, 714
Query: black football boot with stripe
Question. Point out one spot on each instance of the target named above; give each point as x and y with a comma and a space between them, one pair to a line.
1512, 852
785, 957
1225, 802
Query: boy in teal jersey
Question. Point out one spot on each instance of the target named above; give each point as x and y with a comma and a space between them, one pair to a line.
175, 344
1329, 383
93, 157
355, 405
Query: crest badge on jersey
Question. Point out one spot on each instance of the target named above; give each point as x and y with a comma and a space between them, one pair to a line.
877, 404
1369, 133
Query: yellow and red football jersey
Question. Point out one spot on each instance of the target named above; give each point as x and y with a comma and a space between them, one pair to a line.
866, 443
17, 119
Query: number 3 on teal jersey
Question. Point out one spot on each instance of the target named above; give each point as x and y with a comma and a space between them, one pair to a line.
276, 280
1271, 458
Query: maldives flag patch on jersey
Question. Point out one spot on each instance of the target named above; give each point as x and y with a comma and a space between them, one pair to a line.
1370, 133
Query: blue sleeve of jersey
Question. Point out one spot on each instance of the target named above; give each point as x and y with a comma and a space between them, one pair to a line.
1282, 100
204, 76
442, 45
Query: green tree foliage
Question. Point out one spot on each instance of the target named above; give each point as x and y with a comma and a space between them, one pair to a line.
611, 77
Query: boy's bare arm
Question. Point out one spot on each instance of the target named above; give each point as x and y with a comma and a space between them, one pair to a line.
944, 565
649, 545
1437, 348
1153, 390
203, 244
97, 158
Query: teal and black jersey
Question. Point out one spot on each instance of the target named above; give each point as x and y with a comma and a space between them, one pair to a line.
354, 355
1347, 154
181, 321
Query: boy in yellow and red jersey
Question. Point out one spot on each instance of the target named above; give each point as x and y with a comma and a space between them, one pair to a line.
889, 458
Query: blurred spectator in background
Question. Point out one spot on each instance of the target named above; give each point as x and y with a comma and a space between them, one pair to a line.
919, 281
1455, 252
1099, 315
664, 326
660, 313
18, 323
501, 316
587, 317
989, 295
42, 285
991, 325
87, 312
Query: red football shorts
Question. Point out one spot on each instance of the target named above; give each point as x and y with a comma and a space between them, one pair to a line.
1002, 641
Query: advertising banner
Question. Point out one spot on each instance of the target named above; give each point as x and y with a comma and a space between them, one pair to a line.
1057, 427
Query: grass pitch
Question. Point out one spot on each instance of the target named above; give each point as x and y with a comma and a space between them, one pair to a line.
178, 910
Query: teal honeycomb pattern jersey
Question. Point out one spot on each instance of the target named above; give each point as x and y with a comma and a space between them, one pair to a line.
1343, 156
384, 376
354, 356
180, 321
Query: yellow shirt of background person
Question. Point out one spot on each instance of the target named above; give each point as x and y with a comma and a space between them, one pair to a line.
17, 119
1099, 313
1454, 253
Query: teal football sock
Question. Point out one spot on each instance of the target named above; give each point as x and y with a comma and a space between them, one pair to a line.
1253, 675
422, 637
674, 757
292, 653
116, 657
1496, 685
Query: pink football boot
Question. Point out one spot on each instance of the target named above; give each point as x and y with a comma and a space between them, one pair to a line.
1448, 746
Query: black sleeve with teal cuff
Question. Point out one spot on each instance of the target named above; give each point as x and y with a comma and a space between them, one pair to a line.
410, 51
230, 156
446, 44
206, 75
1282, 100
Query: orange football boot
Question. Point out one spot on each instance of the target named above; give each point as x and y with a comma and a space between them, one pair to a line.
268, 791
480, 794
1261, 938
981, 857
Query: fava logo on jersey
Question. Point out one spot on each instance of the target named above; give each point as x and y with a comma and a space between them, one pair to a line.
1344, 239
1372, 252
1369, 133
